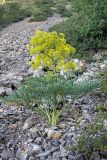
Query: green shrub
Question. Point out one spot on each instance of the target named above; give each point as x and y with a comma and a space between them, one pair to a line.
87, 28
41, 10
67, 13
47, 9
60, 7
38, 15
12, 12
94, 138
47, 95
45, 6
16, 11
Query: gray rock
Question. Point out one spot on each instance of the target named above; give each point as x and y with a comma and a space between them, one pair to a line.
56, 155
38, 72
42, 158
44, 154
53, 134
63, 151
2, 91
82, 124
7, 154
28, 124
38, 140
95, 156
31, 148
86, 116
47, 147
9, 91
21, 155
71, 157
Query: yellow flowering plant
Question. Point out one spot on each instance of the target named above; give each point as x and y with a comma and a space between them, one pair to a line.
50, 50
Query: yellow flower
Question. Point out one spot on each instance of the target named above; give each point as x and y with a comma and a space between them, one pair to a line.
50, 50
73, 50
61, 34
73, 65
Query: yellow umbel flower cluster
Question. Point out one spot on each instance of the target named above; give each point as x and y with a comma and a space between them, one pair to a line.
50, 49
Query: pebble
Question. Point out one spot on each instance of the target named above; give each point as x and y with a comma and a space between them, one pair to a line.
105, 124
2, 91
54, 134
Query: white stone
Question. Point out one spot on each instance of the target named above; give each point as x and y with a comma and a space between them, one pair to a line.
54, 134
38, 72
31, 148
2, 91
76, 60
105, 124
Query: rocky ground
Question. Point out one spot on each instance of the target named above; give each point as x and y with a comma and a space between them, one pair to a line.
24, 135
14, 57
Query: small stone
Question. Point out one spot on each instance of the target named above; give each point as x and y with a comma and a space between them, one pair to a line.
82, 124
72, 128
105, 124
28, 124
1, 110
68, 142
12, 126
38, 140
39, 124
64, 159
75, 113
102, 67
86, 116
31, 148
54, 134
34, 132
62, 126
38, 72
55, 142
63, 152
56, 155
2, 91
49, 157
42, 158
31, 158
44, 154
21, 155
71, 157
9, 91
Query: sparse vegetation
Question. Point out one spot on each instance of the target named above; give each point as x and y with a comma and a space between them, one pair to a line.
94, 138
47, 95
